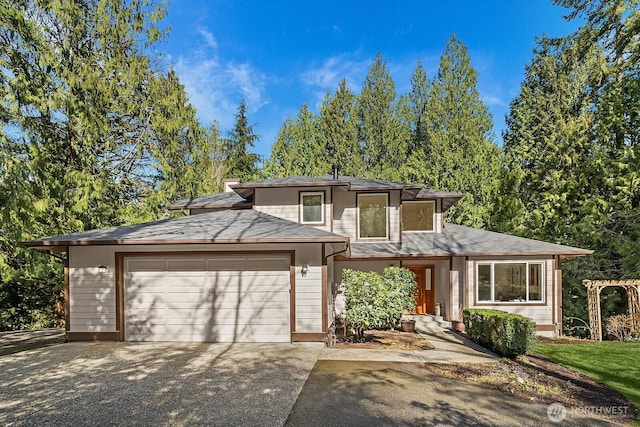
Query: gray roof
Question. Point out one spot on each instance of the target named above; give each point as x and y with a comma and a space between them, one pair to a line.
461, 241
246, 189
228, 200
225, 226
376, 184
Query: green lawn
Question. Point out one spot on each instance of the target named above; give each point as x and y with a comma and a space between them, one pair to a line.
616, 364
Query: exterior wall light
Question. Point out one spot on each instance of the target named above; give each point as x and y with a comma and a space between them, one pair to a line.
304, 270
103, 269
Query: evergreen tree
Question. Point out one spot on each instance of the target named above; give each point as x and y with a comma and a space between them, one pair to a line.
91, 135
383, 135
337, 126
299, 149
458, 152
239, 161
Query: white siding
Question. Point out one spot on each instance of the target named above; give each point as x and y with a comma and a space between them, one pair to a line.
92, 295
309, 290
309, 300
344, 213
285, 203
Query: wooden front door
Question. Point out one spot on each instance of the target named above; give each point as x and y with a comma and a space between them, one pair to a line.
425, 299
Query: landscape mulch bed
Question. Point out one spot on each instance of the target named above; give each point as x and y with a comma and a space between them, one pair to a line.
385, 340
538, 380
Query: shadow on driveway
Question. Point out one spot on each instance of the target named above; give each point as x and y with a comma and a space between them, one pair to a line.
155, 384
350, 393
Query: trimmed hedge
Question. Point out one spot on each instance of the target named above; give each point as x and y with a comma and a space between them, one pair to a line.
504, 333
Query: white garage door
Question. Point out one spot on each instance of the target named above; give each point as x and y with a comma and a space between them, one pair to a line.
207, 298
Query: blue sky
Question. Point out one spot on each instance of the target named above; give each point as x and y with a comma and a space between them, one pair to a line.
279, 55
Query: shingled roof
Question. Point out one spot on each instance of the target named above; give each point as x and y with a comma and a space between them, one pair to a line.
246, 189
225, 226
458, 240
228, 200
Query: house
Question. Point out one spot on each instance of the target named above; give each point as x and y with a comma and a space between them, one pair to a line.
262, 262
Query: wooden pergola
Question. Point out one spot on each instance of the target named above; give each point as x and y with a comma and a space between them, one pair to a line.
594, 287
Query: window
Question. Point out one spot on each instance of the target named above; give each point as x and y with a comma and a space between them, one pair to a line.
417, 216
509, 282
312, 208
372, 216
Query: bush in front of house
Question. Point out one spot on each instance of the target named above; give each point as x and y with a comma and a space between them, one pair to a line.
376, 301
504, 333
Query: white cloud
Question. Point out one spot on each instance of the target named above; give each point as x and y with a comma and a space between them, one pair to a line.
209, 38
327, 77
215, 86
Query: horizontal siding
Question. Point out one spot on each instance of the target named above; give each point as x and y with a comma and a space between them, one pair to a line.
92, 295
285, 203
309, 301
344, 213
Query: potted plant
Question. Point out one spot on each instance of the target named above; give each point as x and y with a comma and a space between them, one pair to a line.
456, 321
408, 325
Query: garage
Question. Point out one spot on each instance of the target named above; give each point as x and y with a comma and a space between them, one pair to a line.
207, 297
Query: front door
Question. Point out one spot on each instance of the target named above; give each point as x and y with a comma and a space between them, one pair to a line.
425, 292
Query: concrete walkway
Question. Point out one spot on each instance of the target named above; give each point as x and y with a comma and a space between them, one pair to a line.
449, 347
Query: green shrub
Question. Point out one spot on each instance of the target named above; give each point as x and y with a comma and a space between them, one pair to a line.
376, 301
504, 333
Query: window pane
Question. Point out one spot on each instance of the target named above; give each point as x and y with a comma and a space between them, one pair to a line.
311, 208
510, 282
373, 215
484, 282
417, 216
535, 282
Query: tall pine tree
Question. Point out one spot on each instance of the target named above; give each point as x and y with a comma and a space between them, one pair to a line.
239, 160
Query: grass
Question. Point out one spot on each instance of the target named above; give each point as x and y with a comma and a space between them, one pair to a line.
616, 364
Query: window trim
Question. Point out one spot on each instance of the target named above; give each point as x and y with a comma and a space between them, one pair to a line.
386, 211
543, 283
433, 219
322, 207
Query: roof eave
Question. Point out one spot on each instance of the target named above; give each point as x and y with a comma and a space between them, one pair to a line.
47, 245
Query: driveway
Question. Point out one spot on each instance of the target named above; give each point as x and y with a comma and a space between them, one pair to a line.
155, 384
185, 384
373, 393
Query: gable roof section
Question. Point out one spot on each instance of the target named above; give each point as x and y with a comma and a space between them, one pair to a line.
229, 200
246, 189
225, 226
458, 240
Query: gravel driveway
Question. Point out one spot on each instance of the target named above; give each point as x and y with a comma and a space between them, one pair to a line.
153, 384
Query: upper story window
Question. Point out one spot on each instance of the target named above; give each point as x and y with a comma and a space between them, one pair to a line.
312, 208
418, 216
510, 282
372, 216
